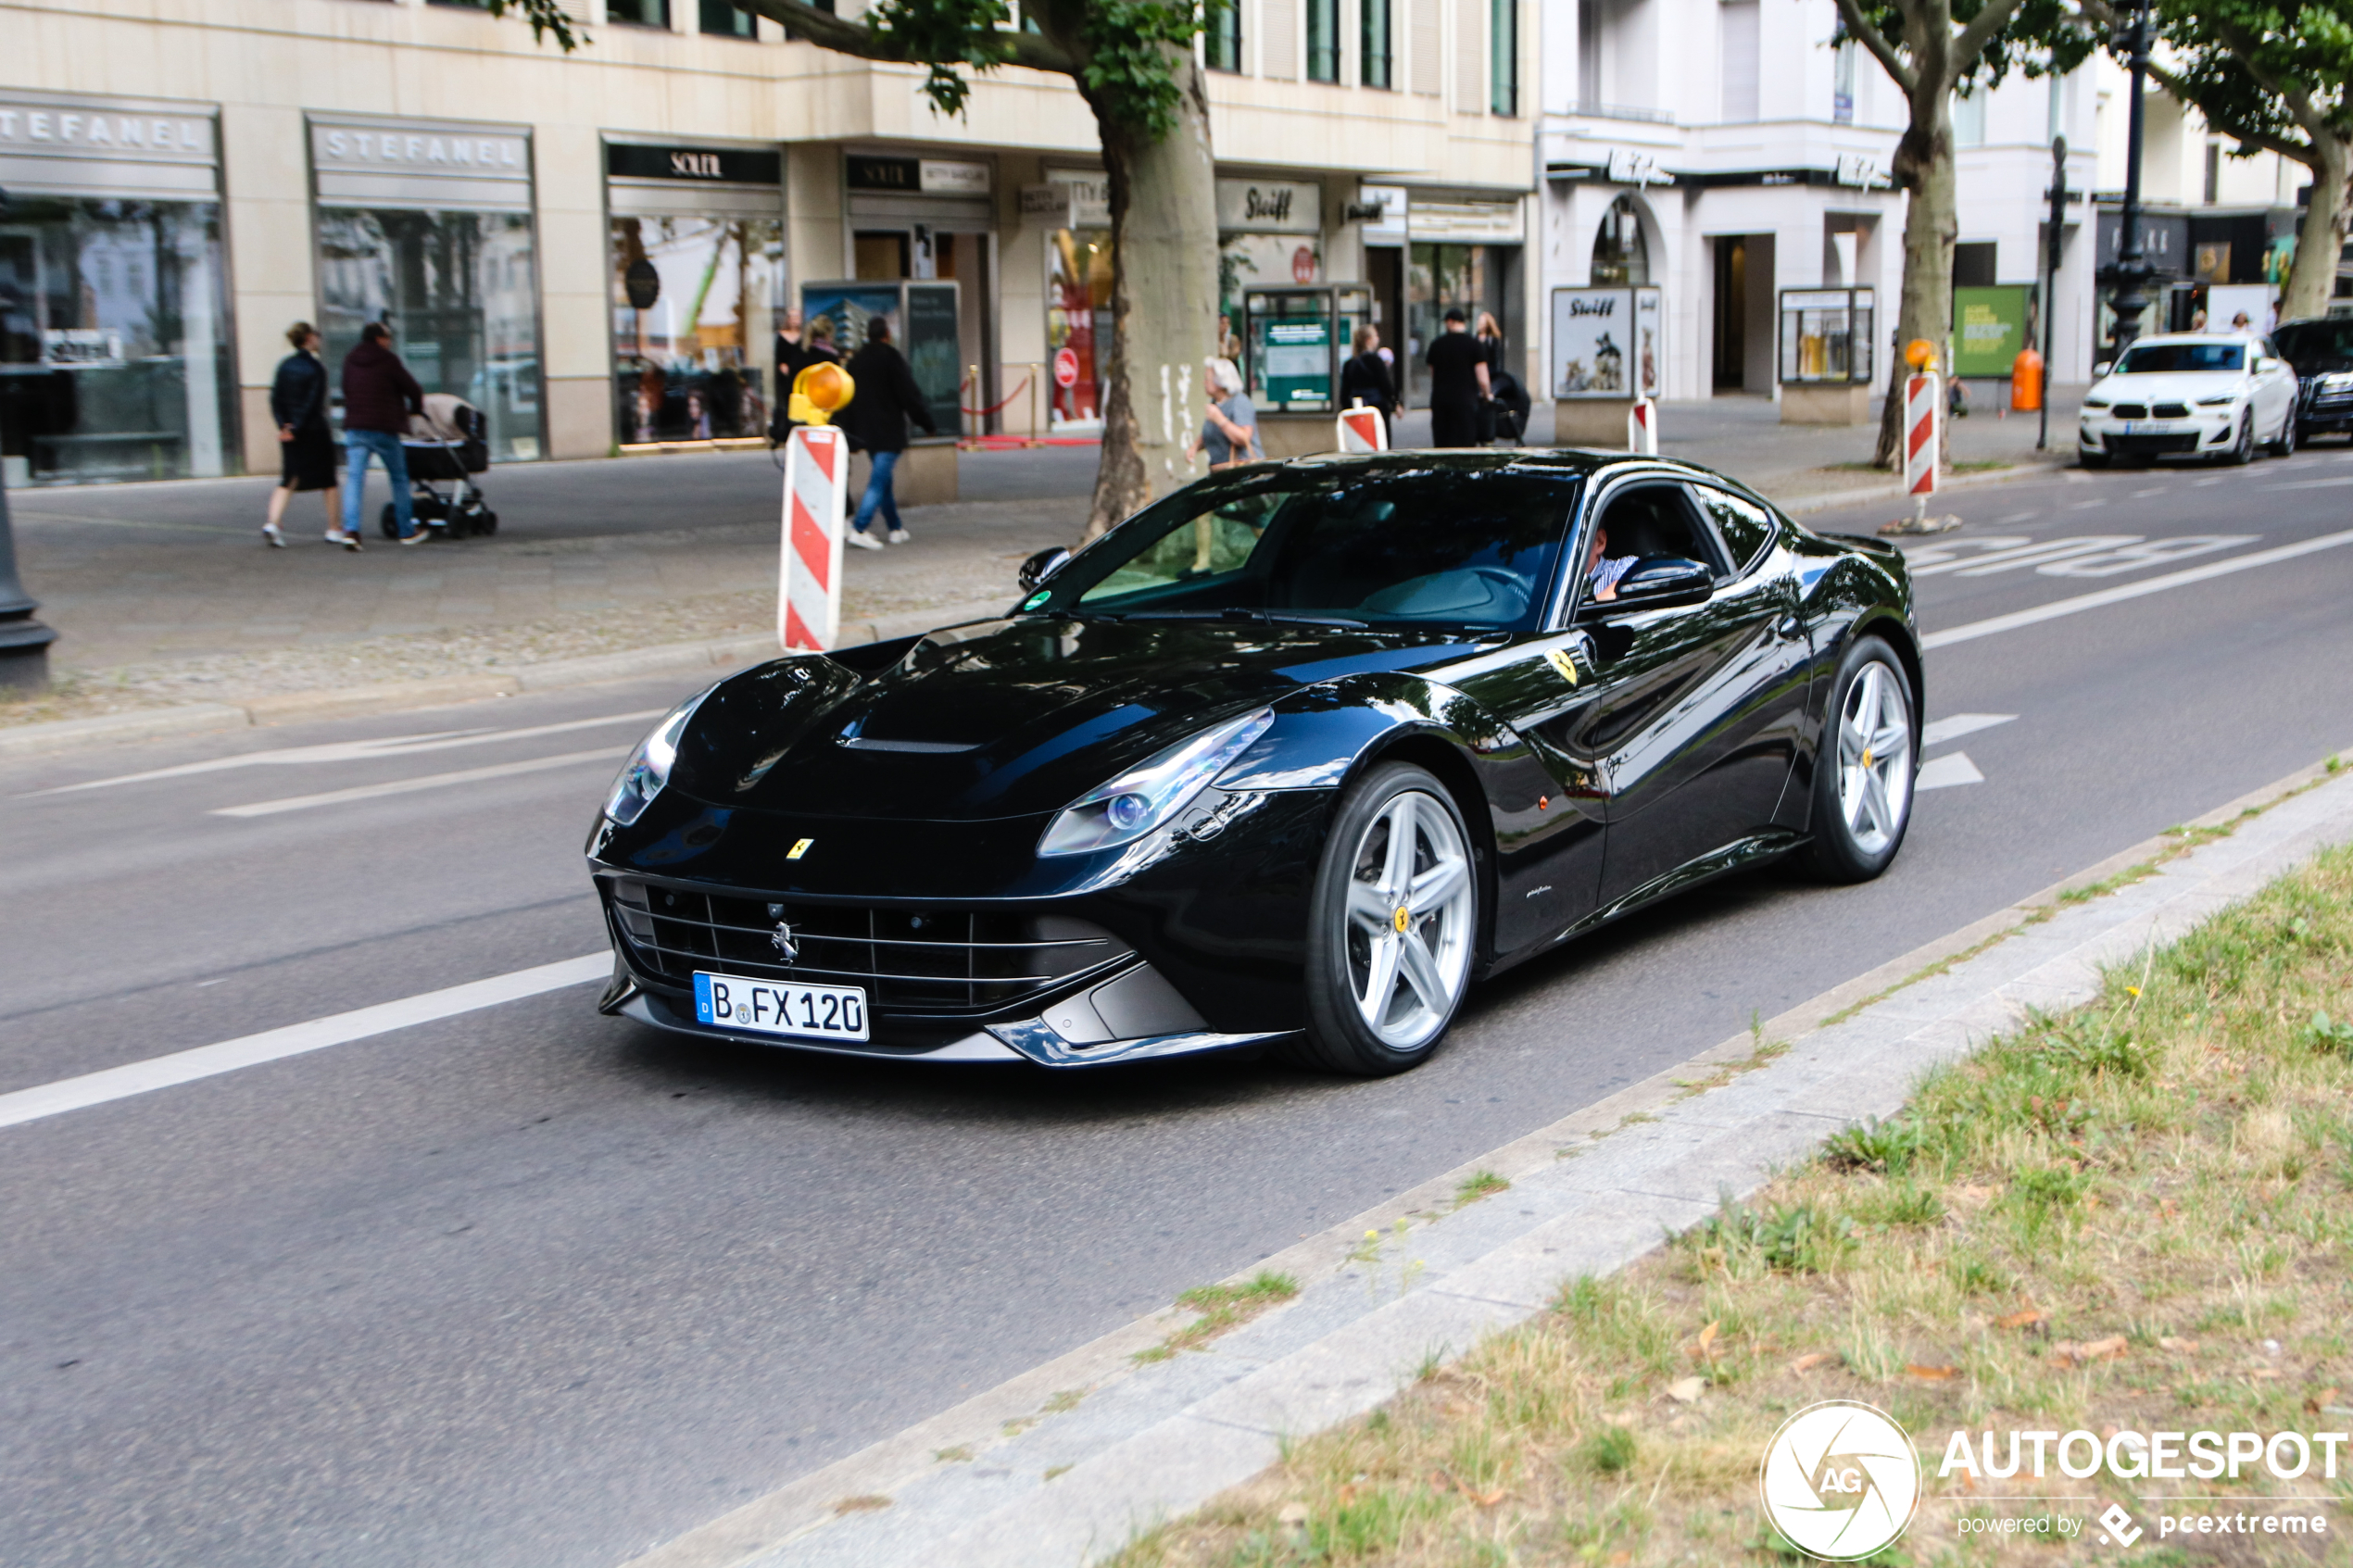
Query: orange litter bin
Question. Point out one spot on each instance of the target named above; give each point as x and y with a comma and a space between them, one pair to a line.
2026, 381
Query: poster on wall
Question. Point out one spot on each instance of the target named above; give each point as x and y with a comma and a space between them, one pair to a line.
931, 351
1989, 328
1593, 333
839, 311
1650, 339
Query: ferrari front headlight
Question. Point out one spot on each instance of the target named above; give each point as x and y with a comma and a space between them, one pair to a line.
647, 769
1149, 794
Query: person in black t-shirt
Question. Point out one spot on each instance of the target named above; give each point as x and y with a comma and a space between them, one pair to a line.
1458, 384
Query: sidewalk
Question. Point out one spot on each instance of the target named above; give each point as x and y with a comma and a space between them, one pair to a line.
163, 594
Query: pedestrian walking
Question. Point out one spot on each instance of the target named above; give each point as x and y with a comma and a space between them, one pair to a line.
875, 419
1366, 377
378, 397
1459, 382
1230, 434
305, 444
1489, 335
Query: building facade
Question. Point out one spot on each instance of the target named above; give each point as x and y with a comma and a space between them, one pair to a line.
597, 248
1724, 162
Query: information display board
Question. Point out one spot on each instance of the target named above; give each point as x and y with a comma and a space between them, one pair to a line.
923, 318
1989, 328
1826, 336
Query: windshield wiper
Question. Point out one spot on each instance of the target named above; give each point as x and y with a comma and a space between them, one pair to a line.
1243, 617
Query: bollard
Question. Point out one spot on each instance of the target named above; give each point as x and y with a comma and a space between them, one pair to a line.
1923, 424
1361, 429
1642, 426
816, 498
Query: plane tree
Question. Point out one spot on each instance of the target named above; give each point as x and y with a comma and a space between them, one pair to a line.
1132, 62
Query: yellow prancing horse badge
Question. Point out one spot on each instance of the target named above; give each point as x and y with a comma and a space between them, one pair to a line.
1562, 662
798, 850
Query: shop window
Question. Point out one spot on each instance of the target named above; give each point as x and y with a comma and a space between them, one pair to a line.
1222, 38
880, 256
114, 338
1968, 118
639, 13
1502, 56
1372, 66
693, 362
1078, 319
1974, 264
458, 291
721, 20
1323, 40
1620, 254
1438, 278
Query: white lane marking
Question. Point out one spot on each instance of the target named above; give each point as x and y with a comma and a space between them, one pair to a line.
2027, 553
1995, 625
359, 750
207, 1062
1944, 552
2017, 516
1959, 724
2142, 554
2314, 484
2144, 495
2086, 506
410, 787
1944, 772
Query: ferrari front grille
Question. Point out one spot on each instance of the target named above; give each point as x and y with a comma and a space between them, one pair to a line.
908, 960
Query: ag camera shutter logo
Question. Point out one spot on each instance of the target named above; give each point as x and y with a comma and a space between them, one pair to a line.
1840, 1480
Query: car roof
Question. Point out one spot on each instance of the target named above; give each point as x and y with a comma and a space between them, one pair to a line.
2208, 336
1562, 460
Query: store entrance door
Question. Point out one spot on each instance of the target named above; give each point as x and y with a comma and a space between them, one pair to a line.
1730, 334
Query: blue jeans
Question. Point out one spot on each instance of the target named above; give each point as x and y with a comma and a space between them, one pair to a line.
878, 496
357, 445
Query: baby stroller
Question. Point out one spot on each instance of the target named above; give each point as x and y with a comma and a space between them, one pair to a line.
448, 444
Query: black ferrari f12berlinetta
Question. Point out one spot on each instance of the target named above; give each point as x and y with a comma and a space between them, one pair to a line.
1292, 758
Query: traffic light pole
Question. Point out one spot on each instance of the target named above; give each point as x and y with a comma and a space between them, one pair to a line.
2132, 271
2050, 279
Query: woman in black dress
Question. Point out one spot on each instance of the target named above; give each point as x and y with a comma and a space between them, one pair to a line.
299, 407
1490, 335
1366, 377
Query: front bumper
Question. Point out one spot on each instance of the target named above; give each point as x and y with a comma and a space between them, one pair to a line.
2202, 431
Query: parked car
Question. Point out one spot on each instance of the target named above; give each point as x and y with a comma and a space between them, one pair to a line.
2321, 348
1292, 758
2205, 394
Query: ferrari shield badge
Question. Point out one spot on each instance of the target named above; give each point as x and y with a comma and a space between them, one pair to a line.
798, 850
1563, 661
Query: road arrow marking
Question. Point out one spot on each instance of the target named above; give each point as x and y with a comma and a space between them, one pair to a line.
1944, 772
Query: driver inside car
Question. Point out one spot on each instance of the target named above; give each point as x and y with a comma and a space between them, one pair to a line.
1604, 570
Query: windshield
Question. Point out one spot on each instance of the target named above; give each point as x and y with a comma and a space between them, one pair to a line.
2312, 342
1445, 546
2156, 358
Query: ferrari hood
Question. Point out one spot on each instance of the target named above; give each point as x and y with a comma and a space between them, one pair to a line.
1005, 718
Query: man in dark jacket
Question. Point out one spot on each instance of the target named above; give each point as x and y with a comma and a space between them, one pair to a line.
876, 419
378, 397
1458, 384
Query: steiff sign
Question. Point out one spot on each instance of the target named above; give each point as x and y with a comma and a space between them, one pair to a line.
1269, 206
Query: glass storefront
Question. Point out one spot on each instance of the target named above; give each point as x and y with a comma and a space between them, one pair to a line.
426, 226
1439, 278
693, 363
696, 279
458, 290
1079, 318
115, 347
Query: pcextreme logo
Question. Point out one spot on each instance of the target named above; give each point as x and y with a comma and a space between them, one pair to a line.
1840, 1480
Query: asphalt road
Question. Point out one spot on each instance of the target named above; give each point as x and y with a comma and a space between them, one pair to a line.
532, 1287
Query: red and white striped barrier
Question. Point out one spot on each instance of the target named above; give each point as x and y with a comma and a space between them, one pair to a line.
1923, 426
1361, 429
816, 498
1642, 426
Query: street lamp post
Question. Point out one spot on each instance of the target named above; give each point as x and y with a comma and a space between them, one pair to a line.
2050, 281
2133, 271
24, 642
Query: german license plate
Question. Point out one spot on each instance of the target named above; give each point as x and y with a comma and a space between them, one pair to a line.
2150, 427
768, 1006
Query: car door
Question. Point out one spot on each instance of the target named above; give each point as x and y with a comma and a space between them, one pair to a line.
2275, 388
1699, 708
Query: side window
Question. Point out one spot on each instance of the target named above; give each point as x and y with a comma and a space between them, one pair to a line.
1747, 528
1653, 520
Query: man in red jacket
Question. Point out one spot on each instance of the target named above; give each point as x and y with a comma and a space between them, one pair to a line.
378, 397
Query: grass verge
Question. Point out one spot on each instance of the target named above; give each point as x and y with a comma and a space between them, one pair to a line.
2138, 1217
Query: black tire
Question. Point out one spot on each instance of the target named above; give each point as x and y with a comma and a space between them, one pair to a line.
1838, 852
489, 523
2241, 451
2091, 459
2286, 445
1338, 1037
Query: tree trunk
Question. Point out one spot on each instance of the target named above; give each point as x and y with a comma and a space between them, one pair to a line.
2320, 239
1923, 165
1164, 292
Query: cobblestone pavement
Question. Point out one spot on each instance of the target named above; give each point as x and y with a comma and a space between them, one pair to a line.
164, 594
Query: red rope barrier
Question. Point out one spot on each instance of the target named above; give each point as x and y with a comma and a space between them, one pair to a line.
984, 413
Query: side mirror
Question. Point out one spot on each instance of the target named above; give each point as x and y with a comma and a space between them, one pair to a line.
1044, 564
2265, 364
1658, 583
2102, 367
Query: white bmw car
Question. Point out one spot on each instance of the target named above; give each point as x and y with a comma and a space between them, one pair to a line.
2208, 394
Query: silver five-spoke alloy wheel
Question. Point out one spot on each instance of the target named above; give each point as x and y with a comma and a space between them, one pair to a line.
1412, 920
1875, 757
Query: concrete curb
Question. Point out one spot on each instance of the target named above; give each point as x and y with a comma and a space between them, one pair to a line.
1893, 490
395, 697
1049, 1484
